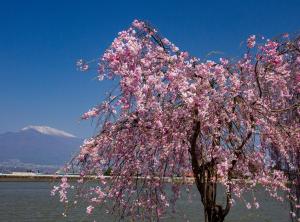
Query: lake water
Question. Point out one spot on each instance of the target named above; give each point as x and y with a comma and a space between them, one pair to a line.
31, 201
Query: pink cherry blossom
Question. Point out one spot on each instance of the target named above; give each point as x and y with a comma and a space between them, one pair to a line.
232, 122
89, 209
251, 41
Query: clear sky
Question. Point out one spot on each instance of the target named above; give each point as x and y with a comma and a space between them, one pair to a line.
40, 42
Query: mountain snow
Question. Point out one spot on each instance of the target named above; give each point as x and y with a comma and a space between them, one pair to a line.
48, 131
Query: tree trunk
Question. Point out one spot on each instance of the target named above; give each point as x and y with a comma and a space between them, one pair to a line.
203, 174
212, 211
214, 214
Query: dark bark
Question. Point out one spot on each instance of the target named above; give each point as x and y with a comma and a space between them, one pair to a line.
203, 174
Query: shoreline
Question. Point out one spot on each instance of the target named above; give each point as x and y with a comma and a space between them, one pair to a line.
32, 177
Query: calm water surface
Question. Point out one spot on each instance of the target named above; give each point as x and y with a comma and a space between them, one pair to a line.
31, 201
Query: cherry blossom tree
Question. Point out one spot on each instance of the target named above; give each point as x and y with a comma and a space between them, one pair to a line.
172, 114
291, 166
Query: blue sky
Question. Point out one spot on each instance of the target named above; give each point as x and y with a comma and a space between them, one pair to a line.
40, 42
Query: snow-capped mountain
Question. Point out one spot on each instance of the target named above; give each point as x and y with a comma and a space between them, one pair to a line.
48, 131
41, 145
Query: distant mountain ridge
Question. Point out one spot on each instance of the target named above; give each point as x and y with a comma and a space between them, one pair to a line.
39, 145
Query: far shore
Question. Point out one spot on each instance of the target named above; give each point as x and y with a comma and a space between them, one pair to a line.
35, 177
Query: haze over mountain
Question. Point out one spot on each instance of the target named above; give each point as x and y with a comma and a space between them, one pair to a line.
38, 145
